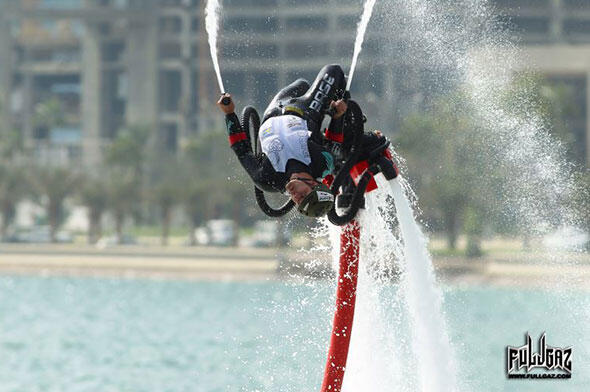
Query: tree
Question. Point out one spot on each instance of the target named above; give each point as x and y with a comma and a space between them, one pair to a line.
13, 188
433, 145
129, 149
124, 173
52, 185
165, 190
123, 194
194, 198
49, 113
215, 186
94, 195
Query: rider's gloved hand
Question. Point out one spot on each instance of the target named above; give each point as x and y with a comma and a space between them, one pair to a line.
227, 108
338, 108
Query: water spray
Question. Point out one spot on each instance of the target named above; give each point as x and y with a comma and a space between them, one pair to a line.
349, 260
212, 12
360, 37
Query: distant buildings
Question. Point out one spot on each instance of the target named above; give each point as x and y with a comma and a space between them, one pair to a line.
555, 35
113, 63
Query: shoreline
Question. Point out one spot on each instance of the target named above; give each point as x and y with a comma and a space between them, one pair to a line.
270, 264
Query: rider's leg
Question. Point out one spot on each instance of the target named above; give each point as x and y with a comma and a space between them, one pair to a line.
327, 87
295, 89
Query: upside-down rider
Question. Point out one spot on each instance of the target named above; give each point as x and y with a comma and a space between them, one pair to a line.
296, 155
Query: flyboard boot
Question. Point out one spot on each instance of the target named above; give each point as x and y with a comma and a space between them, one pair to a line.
363, 156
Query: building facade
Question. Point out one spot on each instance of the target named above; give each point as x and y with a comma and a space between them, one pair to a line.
117, 63
555, 39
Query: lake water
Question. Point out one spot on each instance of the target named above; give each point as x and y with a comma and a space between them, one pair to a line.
86, 334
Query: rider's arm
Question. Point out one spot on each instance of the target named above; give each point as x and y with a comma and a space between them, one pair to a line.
260, 171
334, 130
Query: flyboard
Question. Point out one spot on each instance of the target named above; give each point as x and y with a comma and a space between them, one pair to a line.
354, 178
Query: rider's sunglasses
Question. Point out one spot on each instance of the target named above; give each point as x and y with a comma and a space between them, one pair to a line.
308, 181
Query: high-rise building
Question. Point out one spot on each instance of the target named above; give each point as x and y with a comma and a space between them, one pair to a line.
554, 36
113, 63
117, 63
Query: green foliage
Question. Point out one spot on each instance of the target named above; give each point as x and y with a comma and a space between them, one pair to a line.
129, 148
93, 194
11, 144
462, 187
12, 191
474, 230
581, 199
52, 185
438, 148
49, 113
216, 184
554, 102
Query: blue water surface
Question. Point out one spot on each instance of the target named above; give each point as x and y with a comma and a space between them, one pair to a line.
87, 334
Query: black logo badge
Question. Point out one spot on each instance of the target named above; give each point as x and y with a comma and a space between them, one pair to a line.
522, 361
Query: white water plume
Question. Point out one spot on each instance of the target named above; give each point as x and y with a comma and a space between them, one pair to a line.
212, 12
464, 47
429, 331
360, 37
399, 339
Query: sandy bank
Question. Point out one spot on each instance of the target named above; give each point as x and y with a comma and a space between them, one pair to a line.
262, 264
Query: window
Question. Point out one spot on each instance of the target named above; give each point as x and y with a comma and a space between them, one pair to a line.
252, 24
313, 23
112, 51
258, 3
574, 4
307, 49
170, 50
574, 26
169, 134
244, 50
530, 25
170, 24
170, 88
265, 87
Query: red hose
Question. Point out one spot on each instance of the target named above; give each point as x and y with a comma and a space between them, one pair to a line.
344, 315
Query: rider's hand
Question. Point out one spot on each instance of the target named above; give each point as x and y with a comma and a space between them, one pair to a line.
227, 109
340, 106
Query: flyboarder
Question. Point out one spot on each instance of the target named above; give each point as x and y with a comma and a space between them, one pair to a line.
296, 155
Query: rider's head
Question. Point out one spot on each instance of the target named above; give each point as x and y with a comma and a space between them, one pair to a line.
313, 199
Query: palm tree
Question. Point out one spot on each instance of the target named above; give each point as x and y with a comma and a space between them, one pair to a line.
123, 195
93, 194
12, 190
12, 185
166, 188
53, 185
125, 158
194, 196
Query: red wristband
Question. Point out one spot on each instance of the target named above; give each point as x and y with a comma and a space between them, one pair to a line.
237, 137
335, 137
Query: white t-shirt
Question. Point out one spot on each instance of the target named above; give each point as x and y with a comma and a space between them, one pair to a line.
283, 138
